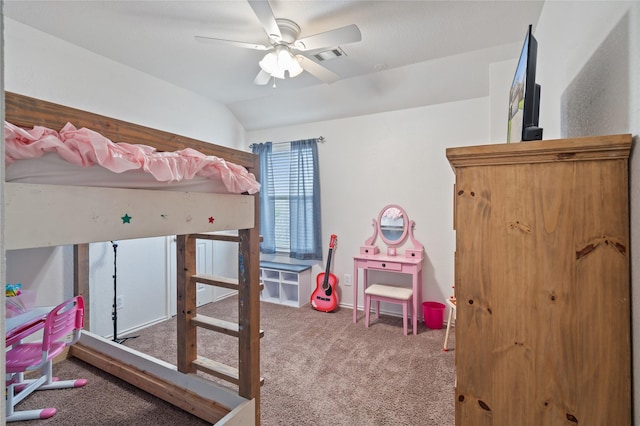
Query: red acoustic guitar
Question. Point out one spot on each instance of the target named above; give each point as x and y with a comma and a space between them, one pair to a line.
325, 298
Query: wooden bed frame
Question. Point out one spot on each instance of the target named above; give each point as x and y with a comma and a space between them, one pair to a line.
96, 218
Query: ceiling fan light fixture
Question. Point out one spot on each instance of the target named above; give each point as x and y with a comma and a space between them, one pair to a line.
279, 61
295, 69
278, 73
269, 63
284, 57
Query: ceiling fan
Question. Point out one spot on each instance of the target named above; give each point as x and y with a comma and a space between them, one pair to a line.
282, 57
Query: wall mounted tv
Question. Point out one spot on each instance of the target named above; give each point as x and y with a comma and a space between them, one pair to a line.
524, 96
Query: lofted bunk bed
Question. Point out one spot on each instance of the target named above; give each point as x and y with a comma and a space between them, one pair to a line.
44, 215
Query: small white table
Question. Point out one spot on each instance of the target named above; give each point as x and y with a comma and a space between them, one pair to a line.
452, 311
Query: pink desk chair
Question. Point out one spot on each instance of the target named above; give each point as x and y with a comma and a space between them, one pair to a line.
63, 320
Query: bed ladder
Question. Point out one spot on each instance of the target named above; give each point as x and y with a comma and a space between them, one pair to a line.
247, 330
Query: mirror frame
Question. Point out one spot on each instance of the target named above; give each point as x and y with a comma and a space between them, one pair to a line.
405, 230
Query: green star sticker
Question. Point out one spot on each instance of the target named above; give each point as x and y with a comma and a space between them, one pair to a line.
126, 218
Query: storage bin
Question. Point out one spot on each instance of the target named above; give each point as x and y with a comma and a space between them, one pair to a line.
433, 314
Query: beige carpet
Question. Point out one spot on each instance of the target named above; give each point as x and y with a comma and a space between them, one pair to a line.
319, 369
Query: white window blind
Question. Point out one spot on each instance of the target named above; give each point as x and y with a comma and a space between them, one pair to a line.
280, 163
285, 176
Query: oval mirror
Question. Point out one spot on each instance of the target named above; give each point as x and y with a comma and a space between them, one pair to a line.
392, 222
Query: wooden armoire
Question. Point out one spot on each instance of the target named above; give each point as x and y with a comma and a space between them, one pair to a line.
542, 283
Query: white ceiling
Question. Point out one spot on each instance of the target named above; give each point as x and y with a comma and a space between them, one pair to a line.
412, 53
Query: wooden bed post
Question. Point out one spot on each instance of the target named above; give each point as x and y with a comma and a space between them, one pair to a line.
249, 305
81, 279
249, 317
186, 309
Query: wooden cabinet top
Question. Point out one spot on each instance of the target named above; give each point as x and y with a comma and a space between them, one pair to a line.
576, 149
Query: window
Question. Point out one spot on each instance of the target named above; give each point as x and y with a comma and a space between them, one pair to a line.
280, 161
290, 199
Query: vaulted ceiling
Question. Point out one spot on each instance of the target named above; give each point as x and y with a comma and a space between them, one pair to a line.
412, 53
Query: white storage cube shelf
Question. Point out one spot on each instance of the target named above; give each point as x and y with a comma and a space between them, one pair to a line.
284, 286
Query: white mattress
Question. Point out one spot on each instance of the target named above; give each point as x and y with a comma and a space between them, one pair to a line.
52, 170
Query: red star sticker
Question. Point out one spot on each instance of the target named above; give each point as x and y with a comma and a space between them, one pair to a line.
211, 219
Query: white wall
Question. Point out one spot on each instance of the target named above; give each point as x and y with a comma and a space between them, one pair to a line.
568, 34
141, 280
38, 65
397, 157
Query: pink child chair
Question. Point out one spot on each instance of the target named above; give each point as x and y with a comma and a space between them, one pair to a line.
64, 320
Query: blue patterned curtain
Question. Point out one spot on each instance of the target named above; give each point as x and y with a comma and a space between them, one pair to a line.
267, 198
304, 201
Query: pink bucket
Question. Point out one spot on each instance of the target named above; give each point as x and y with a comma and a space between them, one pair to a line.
433, 314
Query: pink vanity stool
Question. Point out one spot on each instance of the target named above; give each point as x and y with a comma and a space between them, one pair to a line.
394, 227
391, 294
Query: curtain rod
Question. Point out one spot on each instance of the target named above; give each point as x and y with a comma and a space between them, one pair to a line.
320, 139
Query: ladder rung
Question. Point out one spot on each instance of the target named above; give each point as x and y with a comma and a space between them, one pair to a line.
219, 370
221, 326
220, 237
215, 324
217, 237
216, 281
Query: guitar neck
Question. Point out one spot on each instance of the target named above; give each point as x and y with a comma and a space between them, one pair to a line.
328, 263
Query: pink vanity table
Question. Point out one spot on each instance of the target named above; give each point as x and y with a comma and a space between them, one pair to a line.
394, 227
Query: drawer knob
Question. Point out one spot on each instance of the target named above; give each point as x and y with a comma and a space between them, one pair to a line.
384, 265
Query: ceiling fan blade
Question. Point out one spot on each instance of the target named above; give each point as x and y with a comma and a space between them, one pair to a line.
212, 40
262, 78
263, 11
317, 70
332, 38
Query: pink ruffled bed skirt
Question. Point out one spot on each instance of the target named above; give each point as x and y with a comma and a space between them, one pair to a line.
84, 148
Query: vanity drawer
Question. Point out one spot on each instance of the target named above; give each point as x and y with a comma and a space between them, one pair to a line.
413, 253
369, 250
388, 266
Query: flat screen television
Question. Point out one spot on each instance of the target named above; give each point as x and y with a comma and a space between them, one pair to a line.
524, 96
